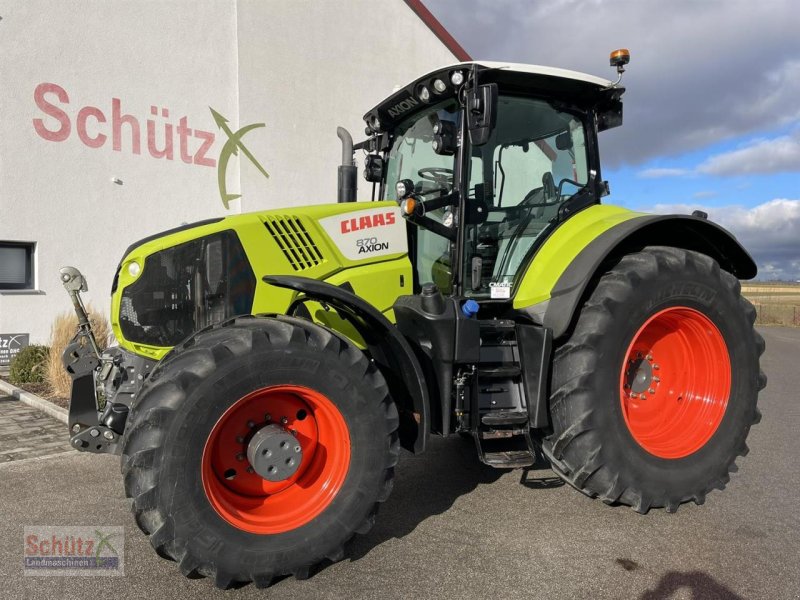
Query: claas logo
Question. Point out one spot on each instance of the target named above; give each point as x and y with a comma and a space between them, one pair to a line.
367, 222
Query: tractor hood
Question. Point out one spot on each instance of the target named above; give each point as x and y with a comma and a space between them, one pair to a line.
175, 282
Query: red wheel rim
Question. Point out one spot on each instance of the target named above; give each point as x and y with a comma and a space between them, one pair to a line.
249, 502
675, 382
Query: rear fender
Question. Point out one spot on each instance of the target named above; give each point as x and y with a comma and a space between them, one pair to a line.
391, 352
679, 231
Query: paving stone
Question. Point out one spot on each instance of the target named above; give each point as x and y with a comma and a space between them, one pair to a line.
26, 433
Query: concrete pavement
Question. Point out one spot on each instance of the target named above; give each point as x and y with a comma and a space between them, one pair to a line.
455, 529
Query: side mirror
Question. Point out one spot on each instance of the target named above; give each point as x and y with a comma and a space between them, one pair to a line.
564, 141
481, 113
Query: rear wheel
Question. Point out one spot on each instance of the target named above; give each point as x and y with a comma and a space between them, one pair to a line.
258, 448
655, 390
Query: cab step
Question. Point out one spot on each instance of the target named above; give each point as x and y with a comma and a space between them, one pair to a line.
512, 459
501, 372
504, 417
513, 452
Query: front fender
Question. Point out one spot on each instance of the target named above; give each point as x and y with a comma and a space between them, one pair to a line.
392, 354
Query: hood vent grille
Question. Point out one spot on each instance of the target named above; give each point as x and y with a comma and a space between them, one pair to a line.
294, 241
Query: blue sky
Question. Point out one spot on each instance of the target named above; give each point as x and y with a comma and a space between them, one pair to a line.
712, 107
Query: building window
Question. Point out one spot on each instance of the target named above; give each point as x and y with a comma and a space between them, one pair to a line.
16, 266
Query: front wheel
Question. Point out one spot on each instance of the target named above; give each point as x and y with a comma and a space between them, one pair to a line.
655, 390
258, 448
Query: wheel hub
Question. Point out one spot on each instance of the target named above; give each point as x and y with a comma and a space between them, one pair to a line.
274, 453
276, 458
639, 375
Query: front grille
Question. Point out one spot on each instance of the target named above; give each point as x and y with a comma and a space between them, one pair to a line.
294, 241
185, 288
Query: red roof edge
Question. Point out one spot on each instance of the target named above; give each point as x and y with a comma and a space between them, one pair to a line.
438, 29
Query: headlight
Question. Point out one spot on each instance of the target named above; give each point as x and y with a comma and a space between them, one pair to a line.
456, 78
439, 86
424, 94
134, 268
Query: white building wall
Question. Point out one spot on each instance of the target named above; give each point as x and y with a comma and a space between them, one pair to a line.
300, 67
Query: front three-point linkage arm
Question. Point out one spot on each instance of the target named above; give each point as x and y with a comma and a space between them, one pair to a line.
82, 359
75, 283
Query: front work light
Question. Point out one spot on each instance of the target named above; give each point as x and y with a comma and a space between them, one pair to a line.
424, 94
439, 86
404, 188
456, 78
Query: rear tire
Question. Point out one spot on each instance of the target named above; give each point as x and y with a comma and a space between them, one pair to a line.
675, 435
205, 509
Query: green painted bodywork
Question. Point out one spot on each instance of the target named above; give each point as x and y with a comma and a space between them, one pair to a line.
561, 248
379, 280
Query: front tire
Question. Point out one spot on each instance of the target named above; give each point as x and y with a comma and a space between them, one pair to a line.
194, 450
655, 389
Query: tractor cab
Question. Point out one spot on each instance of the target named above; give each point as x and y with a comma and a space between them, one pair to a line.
486, 160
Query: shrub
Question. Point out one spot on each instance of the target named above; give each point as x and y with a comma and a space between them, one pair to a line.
61, 333
29, 365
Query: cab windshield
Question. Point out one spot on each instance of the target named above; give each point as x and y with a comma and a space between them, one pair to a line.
534, 161
411, 156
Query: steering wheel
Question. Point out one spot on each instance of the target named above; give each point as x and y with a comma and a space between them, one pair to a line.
438, 175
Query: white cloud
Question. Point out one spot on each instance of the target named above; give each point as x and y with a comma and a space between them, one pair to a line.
662, 172
705, 194
769, 231
781, 154
700, 72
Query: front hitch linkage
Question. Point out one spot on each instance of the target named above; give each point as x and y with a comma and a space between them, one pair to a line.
82, 360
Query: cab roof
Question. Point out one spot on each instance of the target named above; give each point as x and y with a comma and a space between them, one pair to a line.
578, 88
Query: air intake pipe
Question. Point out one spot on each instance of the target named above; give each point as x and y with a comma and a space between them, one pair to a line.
347, 170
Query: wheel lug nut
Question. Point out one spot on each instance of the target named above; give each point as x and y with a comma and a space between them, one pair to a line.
251, 424
656, 379
250, 470
284, 420
650, 357
634, 395
239, 439
652, 391
297, 448
268, 417
240, 457
656, 367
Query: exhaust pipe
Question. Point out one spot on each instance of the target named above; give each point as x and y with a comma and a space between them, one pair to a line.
348, 184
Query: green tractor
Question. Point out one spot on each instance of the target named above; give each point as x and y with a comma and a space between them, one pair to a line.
271, 365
